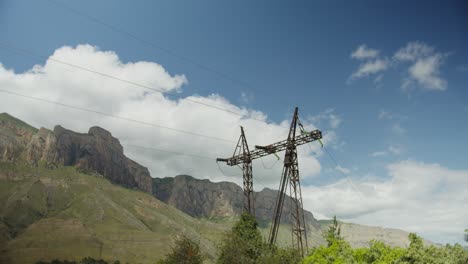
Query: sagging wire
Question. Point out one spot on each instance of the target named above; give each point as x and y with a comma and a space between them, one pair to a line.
303, 131
350, 181
274, 164
224, 174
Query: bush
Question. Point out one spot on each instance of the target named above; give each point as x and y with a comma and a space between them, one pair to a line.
275, 255
339, 251
244, 244
185, 251
87, 260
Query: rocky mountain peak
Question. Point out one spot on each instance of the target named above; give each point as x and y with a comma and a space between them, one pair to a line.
96, 151
104, 135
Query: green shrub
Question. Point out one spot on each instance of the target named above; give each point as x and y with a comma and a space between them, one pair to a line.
185, 251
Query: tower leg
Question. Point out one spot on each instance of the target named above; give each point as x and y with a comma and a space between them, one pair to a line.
247, 175
299, 236
248, 188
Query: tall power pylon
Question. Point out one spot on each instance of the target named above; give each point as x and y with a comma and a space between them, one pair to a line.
242, 150
289, 177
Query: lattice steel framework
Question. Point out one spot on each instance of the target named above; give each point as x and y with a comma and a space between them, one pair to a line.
243, 153
289, 177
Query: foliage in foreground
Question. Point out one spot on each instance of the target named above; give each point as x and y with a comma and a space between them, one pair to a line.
185, 251
339, 251
86, 260
244, 245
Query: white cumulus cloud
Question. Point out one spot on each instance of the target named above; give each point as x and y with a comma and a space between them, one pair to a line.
413, 51
425, 66
423, 72
378, 153
419, 197
370, 67
371, 64
329, 116
389, 115
363, 52
68, 85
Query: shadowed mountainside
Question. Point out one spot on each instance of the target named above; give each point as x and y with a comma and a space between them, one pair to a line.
215, 200
203, 198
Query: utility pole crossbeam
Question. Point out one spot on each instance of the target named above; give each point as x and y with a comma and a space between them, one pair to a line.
244, 157
262, 151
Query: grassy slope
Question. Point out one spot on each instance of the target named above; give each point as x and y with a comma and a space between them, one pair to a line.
67, 215
284, 237
47, 214
17, 122
361, 235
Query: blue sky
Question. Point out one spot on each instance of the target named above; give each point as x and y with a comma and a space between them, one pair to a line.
282, 54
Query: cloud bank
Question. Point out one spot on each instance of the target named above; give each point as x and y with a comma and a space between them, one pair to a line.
61, 83
426, 198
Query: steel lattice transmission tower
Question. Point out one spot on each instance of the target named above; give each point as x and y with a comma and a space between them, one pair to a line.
289, 177
242, 151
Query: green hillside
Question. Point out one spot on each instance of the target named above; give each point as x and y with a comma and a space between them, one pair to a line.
63, 214
16, 122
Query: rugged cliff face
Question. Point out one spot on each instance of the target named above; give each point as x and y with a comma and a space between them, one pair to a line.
14, 136
96, 152
203, 198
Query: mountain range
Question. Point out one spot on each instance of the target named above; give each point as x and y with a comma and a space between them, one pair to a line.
68, 195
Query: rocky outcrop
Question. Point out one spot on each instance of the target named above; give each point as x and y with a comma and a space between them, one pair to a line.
141, 175
97, 151
100, 152
14, 136
199, 198
203, 198
42, 146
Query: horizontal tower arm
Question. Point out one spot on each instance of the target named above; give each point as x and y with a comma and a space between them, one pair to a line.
262, 151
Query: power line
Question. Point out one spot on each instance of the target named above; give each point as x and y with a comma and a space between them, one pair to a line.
168, 151
346, 176
269, 167
115, 116
41, 57
150, 44
332, 169
123, 144
227, 175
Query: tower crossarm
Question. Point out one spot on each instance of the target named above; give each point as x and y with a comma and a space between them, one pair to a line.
262, 151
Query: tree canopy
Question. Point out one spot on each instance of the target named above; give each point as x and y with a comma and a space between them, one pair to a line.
339, 251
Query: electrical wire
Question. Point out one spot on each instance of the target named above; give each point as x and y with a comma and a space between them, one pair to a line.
116, 116
150, 44
168, 151
224, 174
332, 171
272, 166
346, 176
